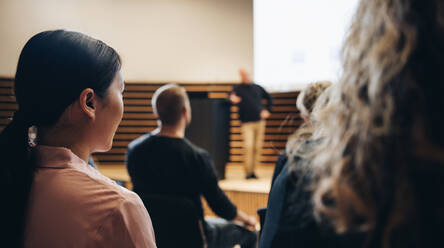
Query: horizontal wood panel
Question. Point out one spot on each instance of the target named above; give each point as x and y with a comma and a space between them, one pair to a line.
287, 95
241, 163
121, 143
6, 113
234, 151
6, 91
294, 121
108, 163
137, 129
6, 106
139, 109
235, 109
267, 137
273, 116
5, 121
284, 109
121, 157
285, 130
289, 101
126, 136
145, 116
8, 99
266, 151
117, 150
189, 88
109, 157
267, 144
130, 101
217, 95
208, 88
125, 123
137, 95
6, 82
236, 158
141, 87
138, 119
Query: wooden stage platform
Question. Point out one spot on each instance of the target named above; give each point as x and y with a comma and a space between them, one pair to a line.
247, 195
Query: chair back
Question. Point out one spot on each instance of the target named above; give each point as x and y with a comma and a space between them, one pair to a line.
176, 221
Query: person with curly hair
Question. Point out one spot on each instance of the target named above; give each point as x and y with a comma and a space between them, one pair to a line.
289, 220
380, 167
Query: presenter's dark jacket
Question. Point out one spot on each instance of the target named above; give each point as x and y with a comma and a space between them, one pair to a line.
160, 165
251, 105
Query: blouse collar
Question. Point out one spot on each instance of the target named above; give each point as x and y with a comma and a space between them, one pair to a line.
58, 157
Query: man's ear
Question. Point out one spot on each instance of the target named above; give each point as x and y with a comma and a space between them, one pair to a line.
187, 114
88, 102
155, 113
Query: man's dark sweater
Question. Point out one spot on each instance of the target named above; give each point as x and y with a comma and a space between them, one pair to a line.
251, 105
160, 165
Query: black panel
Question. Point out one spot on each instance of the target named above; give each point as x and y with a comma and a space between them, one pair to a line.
210, 127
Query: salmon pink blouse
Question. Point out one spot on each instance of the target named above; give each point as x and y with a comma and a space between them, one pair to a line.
73, 205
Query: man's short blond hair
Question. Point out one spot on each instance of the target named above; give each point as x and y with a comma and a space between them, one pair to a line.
169, 102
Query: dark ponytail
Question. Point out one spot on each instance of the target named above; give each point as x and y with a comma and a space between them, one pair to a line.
16, 177
53, 69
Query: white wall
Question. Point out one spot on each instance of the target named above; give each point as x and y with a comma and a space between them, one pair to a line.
159, 40
299, 42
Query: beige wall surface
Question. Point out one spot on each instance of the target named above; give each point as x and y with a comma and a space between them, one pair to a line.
159, 40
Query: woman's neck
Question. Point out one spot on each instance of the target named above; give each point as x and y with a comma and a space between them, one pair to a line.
58, 137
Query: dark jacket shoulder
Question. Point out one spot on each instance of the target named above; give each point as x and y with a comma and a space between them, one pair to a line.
187, 147
137, 142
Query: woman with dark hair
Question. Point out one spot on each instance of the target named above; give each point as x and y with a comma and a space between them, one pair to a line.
69, 87
381, 167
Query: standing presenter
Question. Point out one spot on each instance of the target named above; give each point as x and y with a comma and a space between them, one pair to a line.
252, 114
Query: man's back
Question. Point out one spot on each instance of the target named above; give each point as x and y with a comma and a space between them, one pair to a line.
160, 165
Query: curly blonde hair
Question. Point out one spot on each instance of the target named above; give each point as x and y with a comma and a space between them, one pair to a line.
307, 102
308, 96
380, 168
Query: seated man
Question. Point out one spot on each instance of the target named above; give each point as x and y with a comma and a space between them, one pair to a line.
163, 162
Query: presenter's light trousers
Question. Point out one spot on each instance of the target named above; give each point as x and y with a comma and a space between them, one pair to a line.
253, 135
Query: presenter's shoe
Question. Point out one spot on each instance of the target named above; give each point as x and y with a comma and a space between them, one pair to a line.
251, 176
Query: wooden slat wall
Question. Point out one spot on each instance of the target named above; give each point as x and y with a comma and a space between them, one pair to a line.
139, 119
7, 101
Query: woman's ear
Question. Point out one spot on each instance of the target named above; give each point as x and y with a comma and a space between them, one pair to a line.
88, 102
